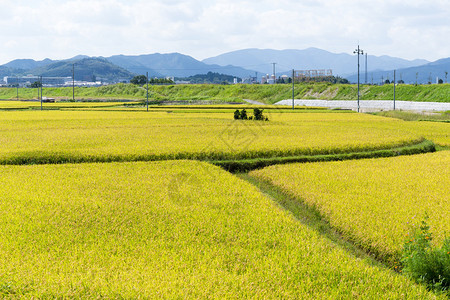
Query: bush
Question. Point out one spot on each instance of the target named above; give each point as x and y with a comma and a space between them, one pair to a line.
424, 263
257, 115
244, 115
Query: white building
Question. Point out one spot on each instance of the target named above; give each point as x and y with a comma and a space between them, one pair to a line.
27, 80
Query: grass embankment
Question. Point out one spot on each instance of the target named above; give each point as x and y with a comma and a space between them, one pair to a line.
171, 229
372, 201
236, 93
108, 92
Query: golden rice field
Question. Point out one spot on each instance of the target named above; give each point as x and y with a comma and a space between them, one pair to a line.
74, 136
438, 132
373, 202
173, 229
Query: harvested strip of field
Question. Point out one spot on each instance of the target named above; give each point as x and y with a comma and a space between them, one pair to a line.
171, 229
375, 201
99, 136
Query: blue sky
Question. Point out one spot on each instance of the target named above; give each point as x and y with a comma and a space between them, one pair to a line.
203, 28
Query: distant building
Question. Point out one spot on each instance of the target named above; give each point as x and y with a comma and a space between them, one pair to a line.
83, 83
284, 78
299, 74
182, 82
27, 80
249, 80
269, 79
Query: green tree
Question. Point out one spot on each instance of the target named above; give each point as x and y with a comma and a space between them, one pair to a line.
258, 113
161, 81
36, 84
244, 115
139, 79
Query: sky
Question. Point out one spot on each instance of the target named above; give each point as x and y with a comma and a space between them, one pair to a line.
204, 28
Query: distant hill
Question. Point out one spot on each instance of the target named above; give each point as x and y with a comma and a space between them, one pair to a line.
86, 69
242, 63
4, 71
424, 73
135, 64
78, 57
173, 64
28, 64
342, 64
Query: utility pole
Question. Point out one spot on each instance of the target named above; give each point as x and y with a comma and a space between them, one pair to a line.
365, 79
17, 85
41, 84
358, 52
394, 89
73, 82
293, 89
147, 90
274, 74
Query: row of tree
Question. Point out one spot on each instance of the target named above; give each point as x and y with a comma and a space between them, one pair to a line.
331, 79
142, 79
211, 77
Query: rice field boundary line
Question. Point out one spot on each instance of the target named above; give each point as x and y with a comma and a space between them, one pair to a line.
247, 165
312, 218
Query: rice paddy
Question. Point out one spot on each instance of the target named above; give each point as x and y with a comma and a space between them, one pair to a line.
373, 202
173, 229
102, 200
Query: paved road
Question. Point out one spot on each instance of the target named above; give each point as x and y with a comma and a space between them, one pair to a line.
372, 105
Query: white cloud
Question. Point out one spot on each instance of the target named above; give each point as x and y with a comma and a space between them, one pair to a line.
61, 29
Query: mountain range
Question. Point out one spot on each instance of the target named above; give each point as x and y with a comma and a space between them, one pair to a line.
242, 63
342, 64
430, 72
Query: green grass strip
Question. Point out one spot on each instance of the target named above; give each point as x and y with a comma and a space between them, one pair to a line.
246, 165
